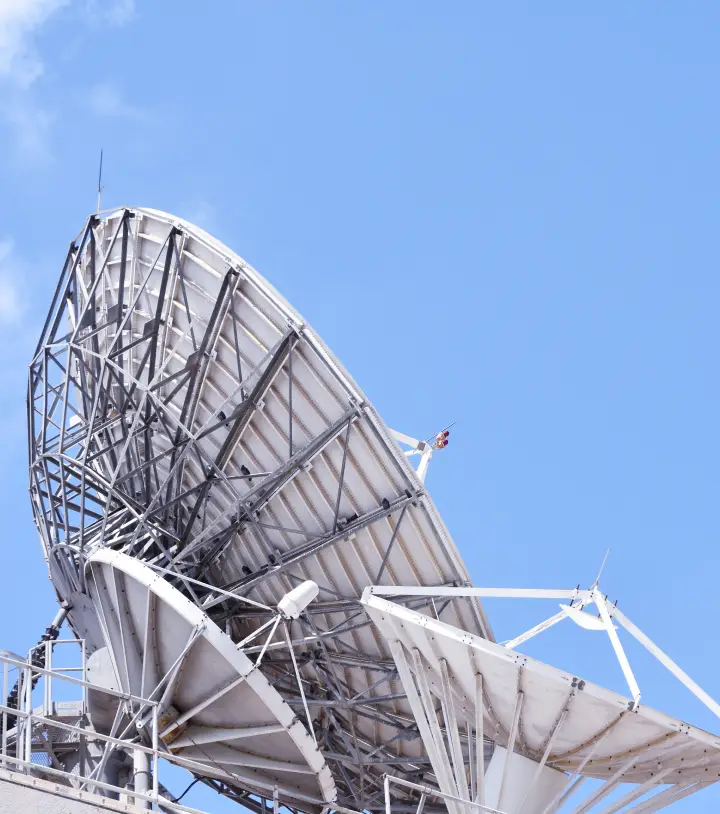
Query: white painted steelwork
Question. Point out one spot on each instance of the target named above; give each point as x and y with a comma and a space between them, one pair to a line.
216, 707
183, 413
51, 748
460, 684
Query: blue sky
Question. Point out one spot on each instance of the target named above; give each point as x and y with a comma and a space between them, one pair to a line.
503, 215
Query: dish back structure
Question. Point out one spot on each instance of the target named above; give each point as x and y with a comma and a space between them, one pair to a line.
182, 413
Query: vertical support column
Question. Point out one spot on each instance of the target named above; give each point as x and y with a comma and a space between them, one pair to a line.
141, 776
47, 697
28, 719
82, 748
479, 740
155, 769
3, 751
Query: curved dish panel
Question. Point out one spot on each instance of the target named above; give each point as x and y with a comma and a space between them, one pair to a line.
181, 412
573, 728
216, 708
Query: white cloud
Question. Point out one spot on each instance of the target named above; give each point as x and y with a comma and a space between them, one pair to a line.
11, 305
9, 302
19, 329
20, 67
26, 120
20, 63
106, 100
113, 12
30, 126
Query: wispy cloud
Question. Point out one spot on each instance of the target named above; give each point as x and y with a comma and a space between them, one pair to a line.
112, 12
105, 99
11, 306
18, 330
19, 22
20, 67
30, 125
22, 116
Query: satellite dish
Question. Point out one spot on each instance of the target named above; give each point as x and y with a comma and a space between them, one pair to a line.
218, 711
550, 730
184, 418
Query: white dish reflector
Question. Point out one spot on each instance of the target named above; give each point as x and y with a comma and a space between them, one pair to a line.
202, 426
552, 718
220, 712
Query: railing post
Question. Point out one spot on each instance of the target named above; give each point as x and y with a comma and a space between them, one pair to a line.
20, 720
28, 709
6, 675
47, 696
156, 765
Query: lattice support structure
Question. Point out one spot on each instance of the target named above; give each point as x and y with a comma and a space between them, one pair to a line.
559, 743
181, 412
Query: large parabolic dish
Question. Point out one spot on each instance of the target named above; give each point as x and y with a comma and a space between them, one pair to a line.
182, 414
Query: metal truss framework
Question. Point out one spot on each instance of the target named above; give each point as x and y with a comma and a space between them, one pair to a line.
643, 779
36, 740
128, 450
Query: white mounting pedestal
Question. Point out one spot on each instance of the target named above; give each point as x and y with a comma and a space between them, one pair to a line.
519, 778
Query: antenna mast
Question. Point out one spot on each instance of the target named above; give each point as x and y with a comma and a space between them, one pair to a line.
99, 186
602, 568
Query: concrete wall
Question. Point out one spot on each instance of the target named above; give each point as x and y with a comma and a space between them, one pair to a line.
31, 795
